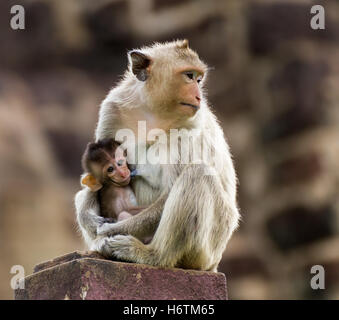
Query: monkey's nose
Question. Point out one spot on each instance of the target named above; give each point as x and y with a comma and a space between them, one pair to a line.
198, 99
122, 173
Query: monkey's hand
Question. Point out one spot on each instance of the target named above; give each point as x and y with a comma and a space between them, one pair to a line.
108, 229
108, 220
140, 226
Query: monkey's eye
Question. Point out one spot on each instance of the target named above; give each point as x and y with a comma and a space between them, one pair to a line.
110, 169
189, 75
199, 79
120, 162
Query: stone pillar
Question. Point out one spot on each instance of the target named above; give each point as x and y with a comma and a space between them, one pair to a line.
89, 276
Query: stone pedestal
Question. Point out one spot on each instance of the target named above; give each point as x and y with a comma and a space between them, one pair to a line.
89, 276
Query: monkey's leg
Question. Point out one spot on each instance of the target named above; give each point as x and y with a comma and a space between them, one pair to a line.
196, 223
124, 215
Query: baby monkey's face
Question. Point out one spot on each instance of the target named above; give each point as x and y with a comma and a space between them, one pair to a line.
116, 171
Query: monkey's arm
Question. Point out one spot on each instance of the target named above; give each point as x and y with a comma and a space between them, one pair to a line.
87, 209
141, 225
135, 210
131, 211
108, 119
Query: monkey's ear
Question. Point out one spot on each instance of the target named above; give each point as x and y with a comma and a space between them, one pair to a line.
140, 65
91, 182
183, 44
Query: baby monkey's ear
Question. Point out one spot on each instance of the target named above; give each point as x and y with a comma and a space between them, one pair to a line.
91, 182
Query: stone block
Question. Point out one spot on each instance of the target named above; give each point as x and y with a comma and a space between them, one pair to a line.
89, 276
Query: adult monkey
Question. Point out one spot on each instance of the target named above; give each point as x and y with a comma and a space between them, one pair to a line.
191, 214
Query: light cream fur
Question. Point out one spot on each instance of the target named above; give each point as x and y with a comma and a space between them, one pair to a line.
193, 210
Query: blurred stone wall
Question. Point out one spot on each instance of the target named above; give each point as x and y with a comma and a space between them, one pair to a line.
274, 86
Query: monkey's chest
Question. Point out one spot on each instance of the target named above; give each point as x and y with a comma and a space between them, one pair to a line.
151, 181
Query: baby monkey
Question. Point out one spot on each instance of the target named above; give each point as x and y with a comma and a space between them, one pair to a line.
108, 173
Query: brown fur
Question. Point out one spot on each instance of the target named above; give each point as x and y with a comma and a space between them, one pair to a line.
117, 201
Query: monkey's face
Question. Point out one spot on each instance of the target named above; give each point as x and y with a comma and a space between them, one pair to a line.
179, 90
105, 162
173, 76
187, 81
117, 172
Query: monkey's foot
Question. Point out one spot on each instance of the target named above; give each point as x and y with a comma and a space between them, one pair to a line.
123, 248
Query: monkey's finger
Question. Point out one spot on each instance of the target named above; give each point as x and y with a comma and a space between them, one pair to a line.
104, 229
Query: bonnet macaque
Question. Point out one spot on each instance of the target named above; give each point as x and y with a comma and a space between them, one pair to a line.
107, 172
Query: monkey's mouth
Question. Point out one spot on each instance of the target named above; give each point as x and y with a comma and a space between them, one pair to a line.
190, 105
121, 183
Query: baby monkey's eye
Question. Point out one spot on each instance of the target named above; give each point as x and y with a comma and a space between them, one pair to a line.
110, 169
120, 162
